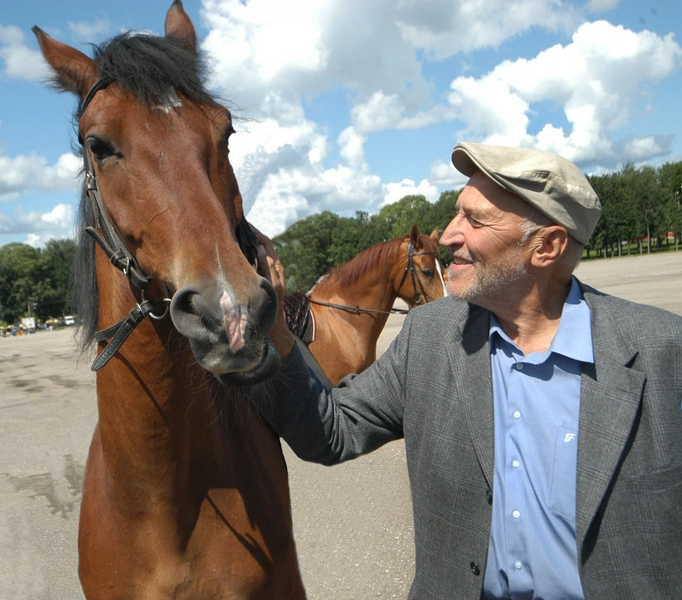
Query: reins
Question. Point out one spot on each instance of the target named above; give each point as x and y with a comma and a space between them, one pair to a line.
400, 311
116, 250
357, 310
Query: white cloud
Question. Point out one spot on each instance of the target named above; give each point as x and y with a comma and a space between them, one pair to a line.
87, 32
407, 187
602, 6
20, 61
596, 80
39, 227
444, 28
23, 173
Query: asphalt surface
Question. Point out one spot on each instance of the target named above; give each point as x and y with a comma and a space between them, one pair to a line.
353, 522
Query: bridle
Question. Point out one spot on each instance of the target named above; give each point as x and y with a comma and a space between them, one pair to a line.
410, 267
116, 250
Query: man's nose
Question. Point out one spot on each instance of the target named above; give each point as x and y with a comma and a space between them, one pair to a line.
452, 236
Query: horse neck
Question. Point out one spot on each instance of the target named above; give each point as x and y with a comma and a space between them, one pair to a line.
153, 398
372, 290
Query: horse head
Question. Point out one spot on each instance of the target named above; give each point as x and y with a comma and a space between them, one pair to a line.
421, 281
155, 148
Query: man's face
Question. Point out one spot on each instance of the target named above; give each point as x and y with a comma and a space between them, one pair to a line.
485, 242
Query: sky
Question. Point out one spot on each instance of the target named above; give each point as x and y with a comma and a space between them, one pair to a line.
350, 105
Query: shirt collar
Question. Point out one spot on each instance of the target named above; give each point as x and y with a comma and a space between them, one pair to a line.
573, 338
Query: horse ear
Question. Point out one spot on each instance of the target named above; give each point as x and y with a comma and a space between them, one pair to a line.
179, 27
73, 70
435, 234
415, 235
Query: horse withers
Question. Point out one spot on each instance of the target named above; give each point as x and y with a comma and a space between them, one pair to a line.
185, 492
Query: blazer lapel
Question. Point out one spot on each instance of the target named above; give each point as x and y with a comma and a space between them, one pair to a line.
611, 394
473, 381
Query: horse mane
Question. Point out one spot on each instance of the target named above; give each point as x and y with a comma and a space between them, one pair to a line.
348, 273
151, 69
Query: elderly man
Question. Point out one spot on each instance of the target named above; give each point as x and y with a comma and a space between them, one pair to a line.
542, 419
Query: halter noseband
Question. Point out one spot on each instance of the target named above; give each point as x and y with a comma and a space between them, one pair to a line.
119, 255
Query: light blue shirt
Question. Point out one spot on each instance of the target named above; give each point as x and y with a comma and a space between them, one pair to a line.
532, 551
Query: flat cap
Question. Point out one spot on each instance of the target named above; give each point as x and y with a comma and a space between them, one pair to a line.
553, 185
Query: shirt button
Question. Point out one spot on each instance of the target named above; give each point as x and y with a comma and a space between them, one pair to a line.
519, 366
515, 464
516, 514
516, 414
475, 569
518, 565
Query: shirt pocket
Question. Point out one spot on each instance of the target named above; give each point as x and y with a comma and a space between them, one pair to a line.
562, 488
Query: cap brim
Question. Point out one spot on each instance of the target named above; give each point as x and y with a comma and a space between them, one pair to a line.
463, 162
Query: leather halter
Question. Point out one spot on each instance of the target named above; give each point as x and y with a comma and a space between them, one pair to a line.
413, 273
399, 311
116, 250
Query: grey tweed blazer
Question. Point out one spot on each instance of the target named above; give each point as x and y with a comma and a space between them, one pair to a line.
433, 387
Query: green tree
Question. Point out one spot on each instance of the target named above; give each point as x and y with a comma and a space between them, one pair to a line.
19, 266
54, 273
304, 250
401, 215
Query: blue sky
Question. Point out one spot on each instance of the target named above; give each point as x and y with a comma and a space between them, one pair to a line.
353, 104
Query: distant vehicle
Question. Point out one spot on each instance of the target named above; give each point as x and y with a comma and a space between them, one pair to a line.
69, 320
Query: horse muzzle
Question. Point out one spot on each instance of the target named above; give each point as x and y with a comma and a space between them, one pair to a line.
228, 337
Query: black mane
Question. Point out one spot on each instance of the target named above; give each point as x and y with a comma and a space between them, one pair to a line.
150, 68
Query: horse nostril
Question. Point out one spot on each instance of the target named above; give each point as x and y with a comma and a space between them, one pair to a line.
193, 317
182, 301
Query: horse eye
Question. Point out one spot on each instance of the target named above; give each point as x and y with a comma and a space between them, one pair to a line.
99, 148
427, 272
230, 130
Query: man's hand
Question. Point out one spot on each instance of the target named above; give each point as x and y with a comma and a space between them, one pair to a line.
270, 267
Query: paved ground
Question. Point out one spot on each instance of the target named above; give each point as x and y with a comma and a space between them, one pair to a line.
353, 522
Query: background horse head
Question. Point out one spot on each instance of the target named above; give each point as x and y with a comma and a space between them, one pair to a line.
185, 492
351, 305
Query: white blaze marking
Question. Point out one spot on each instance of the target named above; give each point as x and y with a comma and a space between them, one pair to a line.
440, 274
234, 322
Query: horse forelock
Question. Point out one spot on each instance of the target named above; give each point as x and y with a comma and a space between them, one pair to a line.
151, 68
429, 244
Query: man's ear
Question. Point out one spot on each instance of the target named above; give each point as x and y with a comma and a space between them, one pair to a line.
548, 245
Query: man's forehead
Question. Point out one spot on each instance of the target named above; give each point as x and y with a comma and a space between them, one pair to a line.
484, 194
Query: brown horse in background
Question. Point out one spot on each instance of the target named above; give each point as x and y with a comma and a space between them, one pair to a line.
186, 493
351, 305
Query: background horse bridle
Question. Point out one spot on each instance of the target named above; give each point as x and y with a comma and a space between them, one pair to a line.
415, 280
116, 250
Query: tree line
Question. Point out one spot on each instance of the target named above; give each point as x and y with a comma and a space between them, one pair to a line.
641, 209
34, 282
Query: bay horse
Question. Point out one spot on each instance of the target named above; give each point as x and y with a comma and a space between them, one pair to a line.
350, 306
185, 494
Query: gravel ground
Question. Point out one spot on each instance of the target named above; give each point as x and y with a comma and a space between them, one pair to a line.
353, 522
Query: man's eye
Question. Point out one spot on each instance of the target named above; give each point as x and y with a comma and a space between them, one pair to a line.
474, 222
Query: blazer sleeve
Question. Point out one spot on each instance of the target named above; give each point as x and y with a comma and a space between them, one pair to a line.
329, 426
